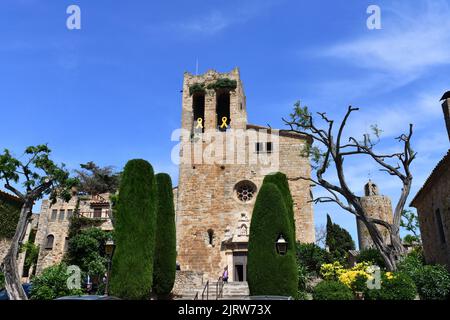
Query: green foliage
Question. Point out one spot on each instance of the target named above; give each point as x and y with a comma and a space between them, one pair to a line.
52, 283
96, 180
86, 250
397, 286
135, 223
78, 223
410, 222
303, 277
197, 88
38, 175
9, 215
433, 283
270, 273
281, 181
339, 241
165, 241
372, 256
223, 83
312, 256
332, 290
31, 256
2, 280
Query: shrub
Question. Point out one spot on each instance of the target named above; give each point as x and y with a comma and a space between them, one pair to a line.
223, 83
280, 180
332, 290
2, 280
331, 271
165, 241
135, 221
312, 256
339, 241
372, 256
303, 276
433, 283
394, 286
270, 273
52, 283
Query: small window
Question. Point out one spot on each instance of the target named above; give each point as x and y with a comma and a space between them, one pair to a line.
259, 147
440, 226
97, 212
54, 215
245, 190
61, 215
269, 147
69, 213
66, 244
50, 240
211, 237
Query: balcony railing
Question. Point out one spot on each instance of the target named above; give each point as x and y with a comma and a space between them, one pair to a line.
104, 215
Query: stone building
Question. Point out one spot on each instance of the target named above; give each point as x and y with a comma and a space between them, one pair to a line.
376, 206
433, 206
223, 161
54, 220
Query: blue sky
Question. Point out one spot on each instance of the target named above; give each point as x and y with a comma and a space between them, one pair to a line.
111, 91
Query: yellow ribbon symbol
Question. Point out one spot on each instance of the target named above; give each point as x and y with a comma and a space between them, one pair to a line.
224, 123
199, 123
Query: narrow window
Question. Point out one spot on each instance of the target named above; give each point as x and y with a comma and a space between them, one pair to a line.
259, 147
66, 244
198, 105
61, 215
210, 237
69, 213
440, 226
269, 147
97, 212
54, 215
50, 240
223, 110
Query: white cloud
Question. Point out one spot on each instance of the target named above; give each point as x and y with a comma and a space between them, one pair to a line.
409, 43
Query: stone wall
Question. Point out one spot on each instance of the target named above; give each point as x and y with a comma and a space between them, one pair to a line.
433, 200
379, 207
185, 280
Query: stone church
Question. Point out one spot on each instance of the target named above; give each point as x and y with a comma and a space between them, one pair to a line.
223, 161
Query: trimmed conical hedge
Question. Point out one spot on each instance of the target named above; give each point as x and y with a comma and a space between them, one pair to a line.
268, 272
281, 181
165, 242
135, 222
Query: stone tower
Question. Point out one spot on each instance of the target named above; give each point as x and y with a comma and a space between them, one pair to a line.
223, 161
377, 206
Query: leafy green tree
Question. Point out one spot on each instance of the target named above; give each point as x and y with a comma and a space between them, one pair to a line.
410, 222
135, 223
165, 241
338, 240
31, 255
270, 273
30, 178
312, 256
372, 256
281, 181
52, 283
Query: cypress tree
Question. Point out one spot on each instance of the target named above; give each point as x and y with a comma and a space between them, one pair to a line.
270, 273
281, 181
135, 222
338, 240
165, 241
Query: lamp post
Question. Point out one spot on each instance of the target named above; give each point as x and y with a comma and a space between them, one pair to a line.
110, 246
281, 245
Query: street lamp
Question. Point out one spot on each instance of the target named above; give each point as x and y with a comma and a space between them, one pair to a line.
110, 246
281, 245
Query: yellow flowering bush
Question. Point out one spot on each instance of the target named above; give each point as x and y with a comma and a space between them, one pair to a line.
331, 271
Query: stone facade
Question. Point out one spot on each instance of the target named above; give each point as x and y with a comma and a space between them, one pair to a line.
54, 224
376, 206
219, 178
433, 205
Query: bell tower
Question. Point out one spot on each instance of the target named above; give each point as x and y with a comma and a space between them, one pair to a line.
213, 101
